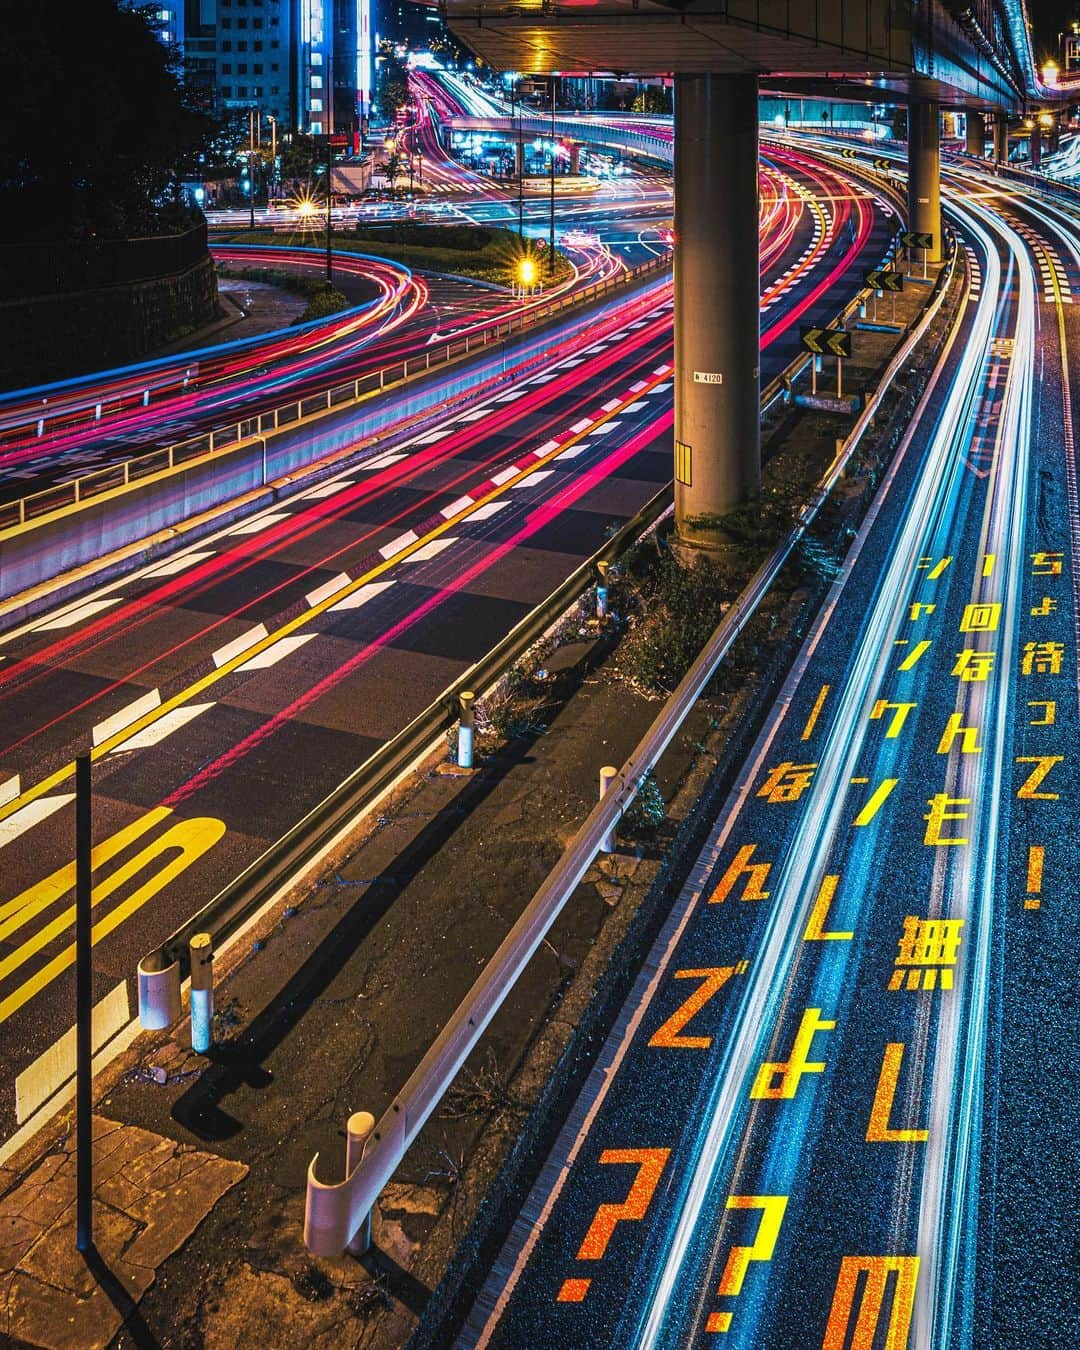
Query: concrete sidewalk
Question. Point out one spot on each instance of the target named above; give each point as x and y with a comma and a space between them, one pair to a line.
150, 1194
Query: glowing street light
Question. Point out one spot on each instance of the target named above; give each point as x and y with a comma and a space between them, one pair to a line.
526, 273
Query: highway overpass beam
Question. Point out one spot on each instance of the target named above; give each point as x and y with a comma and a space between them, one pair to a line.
717, 304
924, 173
1001, 138
976, 134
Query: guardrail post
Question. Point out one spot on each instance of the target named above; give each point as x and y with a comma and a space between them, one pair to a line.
602, 591
382, 378
146, 398
97, 412
608, 774
361, 1124
201, 948
159, 993
466, 723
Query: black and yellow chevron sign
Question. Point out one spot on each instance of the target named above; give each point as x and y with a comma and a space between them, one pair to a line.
848, 153
881, 279
909, 239
826, 341
883, 165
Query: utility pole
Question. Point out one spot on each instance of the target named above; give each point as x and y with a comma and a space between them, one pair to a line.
84, 1004
551, 230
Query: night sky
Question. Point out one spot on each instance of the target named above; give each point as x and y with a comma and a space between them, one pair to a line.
1049, 18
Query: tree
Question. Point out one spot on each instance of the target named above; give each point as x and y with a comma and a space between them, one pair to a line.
651, 100
392, 169
96, 124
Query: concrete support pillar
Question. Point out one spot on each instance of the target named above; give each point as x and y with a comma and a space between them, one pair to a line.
1001, 138
924, 173
717, 306
519, 158
976, 134
1036, 146
575, 158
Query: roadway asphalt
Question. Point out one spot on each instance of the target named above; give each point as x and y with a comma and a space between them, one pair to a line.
841, 1104
399, 312
230, 687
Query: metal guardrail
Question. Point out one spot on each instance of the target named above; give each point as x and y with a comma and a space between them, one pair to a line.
335, 1212
161, 971
130, 471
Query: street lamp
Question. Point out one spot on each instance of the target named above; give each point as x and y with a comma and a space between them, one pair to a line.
526, 274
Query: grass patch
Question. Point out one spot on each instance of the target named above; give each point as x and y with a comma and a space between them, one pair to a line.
465, 250
673, 608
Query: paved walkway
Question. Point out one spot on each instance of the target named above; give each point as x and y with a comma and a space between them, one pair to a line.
151, 1193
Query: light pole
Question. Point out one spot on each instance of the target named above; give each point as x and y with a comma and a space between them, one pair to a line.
251, 167
329, 199
551, 230
273, 147
520, 166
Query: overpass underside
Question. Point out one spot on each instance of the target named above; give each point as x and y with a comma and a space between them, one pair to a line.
717, 51
895, 45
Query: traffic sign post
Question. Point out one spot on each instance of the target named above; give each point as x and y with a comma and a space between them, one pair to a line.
912, 239
881, 279
821, 342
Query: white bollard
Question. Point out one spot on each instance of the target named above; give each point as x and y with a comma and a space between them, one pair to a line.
608, 774
465, 731
201, 948
361, 1124
159, 994
602, 592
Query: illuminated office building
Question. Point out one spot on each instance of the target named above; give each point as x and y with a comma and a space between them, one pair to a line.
306, 63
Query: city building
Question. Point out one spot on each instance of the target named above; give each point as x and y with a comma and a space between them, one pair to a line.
305, 63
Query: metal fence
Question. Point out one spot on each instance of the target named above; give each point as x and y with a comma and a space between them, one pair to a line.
129, 471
